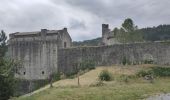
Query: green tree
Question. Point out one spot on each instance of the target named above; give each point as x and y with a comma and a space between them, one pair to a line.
6, 71
3, 47
128, 32
116, 31
128, 25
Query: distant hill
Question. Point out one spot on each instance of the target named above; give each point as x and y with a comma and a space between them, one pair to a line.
159, 33
93, 42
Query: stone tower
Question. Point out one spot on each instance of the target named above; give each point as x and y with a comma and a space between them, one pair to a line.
38, 52
105, 31
108, 36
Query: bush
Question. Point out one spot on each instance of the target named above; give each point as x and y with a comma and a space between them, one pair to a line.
124, 78
161, 71
71, 75
56, 76
155, 71
143, 73
105, 75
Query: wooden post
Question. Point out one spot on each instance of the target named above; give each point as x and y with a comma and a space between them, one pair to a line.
51, 80
78, 80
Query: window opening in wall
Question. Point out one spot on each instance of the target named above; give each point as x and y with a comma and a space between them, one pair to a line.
43, 72
24, 73
65, 44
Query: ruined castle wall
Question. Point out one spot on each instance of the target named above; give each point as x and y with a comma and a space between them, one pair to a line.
109, 55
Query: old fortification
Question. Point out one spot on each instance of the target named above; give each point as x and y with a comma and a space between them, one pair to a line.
37, 52
138, 53
44, 52
37, 55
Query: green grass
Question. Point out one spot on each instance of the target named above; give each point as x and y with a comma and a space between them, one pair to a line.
115, 91
134, 89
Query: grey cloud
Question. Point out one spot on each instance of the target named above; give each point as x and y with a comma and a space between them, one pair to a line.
75, 24
30, 17
140, 10
82, 17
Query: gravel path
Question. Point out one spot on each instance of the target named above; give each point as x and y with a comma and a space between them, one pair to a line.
160, 97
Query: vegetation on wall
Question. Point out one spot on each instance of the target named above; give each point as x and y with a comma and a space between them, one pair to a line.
82, 66
87, 64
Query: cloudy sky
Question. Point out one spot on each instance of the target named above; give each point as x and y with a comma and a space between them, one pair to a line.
83, 18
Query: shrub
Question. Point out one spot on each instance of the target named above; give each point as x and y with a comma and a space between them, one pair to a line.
143, 73
155, 71
71, 75
124, 78
161, 71
56, 76
105, 75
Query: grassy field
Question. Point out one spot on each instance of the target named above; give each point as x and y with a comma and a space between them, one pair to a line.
118, 89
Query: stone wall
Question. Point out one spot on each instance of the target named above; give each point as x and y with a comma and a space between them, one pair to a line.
108, 55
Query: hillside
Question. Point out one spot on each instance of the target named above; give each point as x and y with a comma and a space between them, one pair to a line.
118, 89
93, 42
159, 33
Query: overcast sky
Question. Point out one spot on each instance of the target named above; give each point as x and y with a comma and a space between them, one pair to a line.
83, 18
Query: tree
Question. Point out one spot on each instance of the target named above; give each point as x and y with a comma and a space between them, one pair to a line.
3, 47
128, 32
116, 31
6, 71
128, 25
